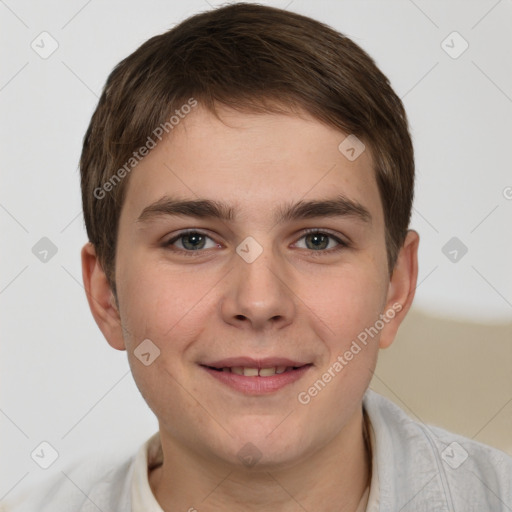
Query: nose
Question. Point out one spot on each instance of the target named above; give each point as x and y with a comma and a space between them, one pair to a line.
257, 294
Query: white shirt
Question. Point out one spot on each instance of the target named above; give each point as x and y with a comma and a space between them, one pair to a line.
415, 467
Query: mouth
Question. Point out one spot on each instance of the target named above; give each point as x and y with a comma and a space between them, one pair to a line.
256, 372
256, 377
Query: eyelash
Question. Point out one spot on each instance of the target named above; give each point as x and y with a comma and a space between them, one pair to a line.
311, 231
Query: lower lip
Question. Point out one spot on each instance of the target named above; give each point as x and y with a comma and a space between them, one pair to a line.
258, 385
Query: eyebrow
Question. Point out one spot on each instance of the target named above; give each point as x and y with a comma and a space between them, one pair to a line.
339, 206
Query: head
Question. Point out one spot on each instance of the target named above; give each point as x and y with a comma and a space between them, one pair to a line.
238, 123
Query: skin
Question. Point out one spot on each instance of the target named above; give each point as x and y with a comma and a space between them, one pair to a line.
291, 302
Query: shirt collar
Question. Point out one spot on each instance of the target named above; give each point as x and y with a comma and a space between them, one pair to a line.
407, 470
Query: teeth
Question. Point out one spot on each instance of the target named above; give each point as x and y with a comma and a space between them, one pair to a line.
255, 372
266, 372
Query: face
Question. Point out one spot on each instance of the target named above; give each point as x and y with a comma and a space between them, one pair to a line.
264, 304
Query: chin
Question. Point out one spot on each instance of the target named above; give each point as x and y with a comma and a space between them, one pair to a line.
262, 446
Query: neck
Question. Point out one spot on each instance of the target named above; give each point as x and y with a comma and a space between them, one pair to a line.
333, 478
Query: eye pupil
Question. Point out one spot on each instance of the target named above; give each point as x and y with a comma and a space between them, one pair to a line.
320, 241
196, 239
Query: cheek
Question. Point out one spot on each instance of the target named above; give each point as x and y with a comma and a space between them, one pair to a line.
157, 302
351, 306
347, 300
168, 311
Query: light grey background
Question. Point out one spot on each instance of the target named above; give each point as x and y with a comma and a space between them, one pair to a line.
60, 381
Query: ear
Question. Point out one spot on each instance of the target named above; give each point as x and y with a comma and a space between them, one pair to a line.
402, 287
100, 297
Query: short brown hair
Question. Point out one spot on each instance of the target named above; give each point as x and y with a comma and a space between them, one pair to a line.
249, 57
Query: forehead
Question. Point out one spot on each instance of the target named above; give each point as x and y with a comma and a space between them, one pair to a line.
254, 163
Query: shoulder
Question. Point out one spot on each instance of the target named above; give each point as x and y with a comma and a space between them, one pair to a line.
449, 469
87, 487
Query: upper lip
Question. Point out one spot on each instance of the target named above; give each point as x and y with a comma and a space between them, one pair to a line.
249, 362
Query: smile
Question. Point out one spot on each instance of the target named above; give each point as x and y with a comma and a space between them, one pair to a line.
256, 377
256, 372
